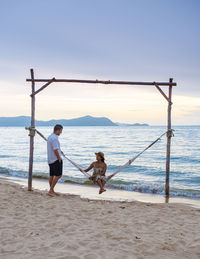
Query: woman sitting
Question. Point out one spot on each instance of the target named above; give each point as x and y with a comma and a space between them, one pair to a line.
99, 167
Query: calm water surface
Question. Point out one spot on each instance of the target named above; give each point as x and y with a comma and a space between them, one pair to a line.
119, 144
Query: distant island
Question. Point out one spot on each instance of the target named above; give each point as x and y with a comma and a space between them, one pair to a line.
22, 121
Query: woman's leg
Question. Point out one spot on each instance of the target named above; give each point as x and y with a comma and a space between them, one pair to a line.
100, 184
103, 183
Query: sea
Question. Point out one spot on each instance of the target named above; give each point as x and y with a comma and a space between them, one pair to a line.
119, 144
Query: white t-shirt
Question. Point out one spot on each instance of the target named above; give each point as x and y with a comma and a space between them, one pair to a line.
53, 144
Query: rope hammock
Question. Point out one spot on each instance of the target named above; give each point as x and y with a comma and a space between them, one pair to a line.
169, 132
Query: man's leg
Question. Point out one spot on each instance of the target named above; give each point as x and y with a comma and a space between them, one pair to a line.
50, 180
57, 171
55, 180
51, 175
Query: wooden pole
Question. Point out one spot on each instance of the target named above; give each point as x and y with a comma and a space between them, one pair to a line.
32, 133
169, 135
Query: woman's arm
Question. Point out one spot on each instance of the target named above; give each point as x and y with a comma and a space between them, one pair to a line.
104, 169
89, 168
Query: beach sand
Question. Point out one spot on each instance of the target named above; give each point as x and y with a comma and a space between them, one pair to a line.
34, 225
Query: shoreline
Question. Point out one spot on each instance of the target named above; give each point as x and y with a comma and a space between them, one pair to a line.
91, 192
35, 225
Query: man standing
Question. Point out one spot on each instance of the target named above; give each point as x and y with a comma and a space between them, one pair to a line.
54, 158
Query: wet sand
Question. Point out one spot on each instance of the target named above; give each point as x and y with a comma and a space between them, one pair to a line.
91, 192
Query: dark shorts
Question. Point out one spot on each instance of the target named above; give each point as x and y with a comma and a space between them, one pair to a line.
55, 169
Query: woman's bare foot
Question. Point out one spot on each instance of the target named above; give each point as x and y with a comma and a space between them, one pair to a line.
57, 194
101, 191
50, 193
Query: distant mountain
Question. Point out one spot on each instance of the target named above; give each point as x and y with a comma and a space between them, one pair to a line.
22, 121
82, 121
15, 121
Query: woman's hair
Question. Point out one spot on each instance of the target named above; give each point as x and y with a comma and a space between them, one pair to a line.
101, 155
102, 159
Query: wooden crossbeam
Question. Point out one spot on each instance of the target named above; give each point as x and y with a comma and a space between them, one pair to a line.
103, 82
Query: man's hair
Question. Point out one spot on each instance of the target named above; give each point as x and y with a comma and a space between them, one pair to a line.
57, 127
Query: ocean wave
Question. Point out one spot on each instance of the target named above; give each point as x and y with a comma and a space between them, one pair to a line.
6, 156
185, 159
99, 147
137, 186
17, 173
119, 153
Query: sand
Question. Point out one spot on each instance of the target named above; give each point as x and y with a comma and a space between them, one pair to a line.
34, 225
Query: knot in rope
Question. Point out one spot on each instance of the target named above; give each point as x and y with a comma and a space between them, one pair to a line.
32, 131
170, 133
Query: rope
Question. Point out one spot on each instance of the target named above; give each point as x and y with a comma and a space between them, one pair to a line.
77, 166
41, 135
134, 158
169, 133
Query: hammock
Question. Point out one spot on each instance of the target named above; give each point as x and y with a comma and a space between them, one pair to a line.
119, 169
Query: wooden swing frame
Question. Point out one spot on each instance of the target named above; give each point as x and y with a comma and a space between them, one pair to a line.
157, 85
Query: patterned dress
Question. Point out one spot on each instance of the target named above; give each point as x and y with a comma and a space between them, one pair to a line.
98, 174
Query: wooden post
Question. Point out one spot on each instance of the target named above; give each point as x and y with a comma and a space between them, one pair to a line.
169, 135
32, 133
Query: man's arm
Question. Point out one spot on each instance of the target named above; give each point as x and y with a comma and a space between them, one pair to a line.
55, 146
57, 155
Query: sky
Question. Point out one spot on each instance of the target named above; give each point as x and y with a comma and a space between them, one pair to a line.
130, 40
